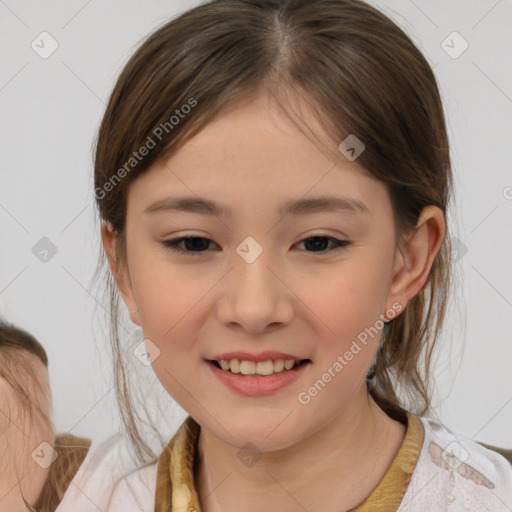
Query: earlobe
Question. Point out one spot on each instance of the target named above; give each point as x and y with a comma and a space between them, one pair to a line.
121, 275
415, 259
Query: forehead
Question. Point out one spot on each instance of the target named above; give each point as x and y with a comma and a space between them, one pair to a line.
255, 155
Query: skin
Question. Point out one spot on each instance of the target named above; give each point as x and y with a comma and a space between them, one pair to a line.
292, 298
19, 438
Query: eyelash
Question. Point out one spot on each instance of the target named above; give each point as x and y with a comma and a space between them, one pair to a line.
173, 244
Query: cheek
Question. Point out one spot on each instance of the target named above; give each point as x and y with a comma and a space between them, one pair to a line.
171, 301
349, 309
169, 305
165, 291
347, 299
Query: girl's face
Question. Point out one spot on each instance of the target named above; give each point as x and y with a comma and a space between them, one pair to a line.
256, 279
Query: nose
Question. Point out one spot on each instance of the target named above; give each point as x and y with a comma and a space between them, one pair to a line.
255, 297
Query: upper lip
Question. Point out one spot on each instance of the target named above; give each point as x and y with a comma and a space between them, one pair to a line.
262, 356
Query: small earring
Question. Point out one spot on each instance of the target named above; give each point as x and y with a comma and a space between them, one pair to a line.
135, 310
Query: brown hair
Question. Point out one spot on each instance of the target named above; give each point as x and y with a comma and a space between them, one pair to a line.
357, 71
28, 392
19, 372
14, 343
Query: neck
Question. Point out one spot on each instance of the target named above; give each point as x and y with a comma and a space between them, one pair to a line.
345, 460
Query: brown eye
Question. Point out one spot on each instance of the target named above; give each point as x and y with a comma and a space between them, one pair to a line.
196, 245
193, 244
320, 243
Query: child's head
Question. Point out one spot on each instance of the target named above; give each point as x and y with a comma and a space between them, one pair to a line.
253, 105
25, 416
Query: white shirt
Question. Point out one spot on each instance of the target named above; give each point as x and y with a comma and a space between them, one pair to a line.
456, 474
453, 473
105, 465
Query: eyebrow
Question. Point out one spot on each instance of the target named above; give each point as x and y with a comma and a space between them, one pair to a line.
294, 207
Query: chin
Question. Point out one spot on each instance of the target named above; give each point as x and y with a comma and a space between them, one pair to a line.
265, 435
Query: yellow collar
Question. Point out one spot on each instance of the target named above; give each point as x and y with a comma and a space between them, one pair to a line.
176, 492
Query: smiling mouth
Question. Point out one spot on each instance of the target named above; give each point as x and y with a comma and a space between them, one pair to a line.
260, 369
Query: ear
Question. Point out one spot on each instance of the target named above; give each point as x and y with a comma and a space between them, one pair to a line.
414, 261
120, 272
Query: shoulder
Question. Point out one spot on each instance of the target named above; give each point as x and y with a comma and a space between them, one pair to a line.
70, 452
106, 463
454, 470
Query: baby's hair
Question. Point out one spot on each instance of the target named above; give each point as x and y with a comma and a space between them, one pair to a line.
357, 72
28, 394
17, 371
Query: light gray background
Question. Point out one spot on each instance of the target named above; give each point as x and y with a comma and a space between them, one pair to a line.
51, 108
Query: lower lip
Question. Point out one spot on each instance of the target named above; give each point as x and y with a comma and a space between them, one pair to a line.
257, 385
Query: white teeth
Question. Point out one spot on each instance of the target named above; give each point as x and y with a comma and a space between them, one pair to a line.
260, 368
279, 365
248, 367
265, 367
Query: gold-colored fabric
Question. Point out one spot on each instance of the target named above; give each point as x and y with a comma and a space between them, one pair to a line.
176, 492
175, 488
71, 452
391, 489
